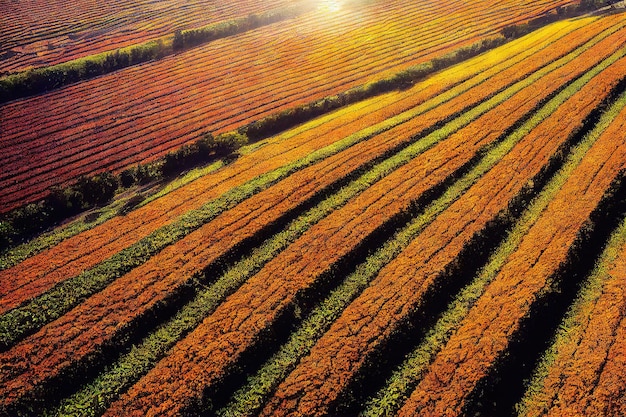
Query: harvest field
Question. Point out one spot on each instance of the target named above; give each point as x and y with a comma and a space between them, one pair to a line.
453, 244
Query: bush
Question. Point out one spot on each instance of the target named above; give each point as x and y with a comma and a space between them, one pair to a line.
227, 143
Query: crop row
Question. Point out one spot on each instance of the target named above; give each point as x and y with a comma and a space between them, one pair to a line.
581, 374
251, 397
399, 387
405, 284
47, 33
41, 272
175, 266
524, 280
205, 357
180, 99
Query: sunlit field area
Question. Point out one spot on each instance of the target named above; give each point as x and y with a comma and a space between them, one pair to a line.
313, 208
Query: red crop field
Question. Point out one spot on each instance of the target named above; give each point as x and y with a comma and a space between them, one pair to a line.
41, 33
120, 119
403, 208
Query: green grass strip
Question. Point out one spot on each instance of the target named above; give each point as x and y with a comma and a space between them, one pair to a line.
399, 387
25, 319
16, 255
249, 399
108, 386
570, 330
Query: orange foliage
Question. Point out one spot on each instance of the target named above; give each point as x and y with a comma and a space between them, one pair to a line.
587, 374
484, 334
608, 396
377, 313
207, 353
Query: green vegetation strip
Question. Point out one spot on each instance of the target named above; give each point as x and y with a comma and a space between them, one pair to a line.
108, 386
399, 387
248, 400
17, 323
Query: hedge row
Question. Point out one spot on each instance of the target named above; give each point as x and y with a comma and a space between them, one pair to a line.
88, 192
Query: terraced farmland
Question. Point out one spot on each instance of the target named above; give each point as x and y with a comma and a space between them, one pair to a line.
456, 247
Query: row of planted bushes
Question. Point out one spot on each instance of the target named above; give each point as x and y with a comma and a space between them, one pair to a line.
88, 192
39, 80
286, 119
185, 39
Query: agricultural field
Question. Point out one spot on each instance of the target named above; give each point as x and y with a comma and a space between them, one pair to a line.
41, 33
141, 112
449, 240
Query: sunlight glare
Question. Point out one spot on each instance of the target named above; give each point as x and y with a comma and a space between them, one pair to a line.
330, 5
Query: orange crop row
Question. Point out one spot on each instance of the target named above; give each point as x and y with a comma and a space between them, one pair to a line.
140, 113
607, 398
485, 333
397, 291
41, 272
42, 33
577, 381
236, 324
